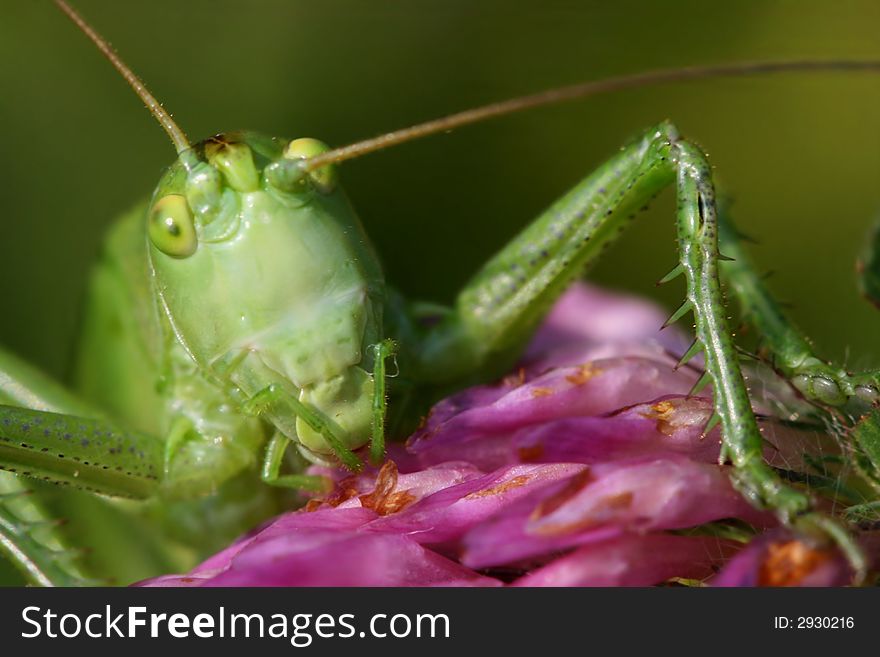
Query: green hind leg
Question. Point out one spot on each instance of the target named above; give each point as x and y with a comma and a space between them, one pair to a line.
30, 536
86, 453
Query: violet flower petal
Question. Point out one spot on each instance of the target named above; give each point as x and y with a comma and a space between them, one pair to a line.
325, 548
633, 560
449, 513
336, 558
176, 581
602, 502
669, 425
414, 486
287, 523
590, 449
590, 389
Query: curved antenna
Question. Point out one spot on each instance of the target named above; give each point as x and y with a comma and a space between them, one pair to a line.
581, 90
178, 138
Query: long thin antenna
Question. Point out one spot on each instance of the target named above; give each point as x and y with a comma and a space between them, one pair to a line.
581, 90
178, 138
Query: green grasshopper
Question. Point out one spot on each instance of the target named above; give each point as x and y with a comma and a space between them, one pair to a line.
238, 327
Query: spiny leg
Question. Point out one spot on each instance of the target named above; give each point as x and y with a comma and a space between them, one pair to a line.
34, 538
41, 564
29, 534
498, 310
698, 246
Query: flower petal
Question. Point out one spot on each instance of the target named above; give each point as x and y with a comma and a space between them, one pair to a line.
449, 513
387, 491
602, 502
669, 425
590, 389
335, 558
633, 560
588, 316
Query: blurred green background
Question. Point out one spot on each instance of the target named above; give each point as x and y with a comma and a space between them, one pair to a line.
800, 154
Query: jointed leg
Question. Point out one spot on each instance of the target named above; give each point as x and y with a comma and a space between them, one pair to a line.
49, 433
698, 246
273, 395
41, 564
279, 443
790, 353
498, 310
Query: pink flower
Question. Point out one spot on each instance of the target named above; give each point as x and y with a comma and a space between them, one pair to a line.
582, 468
633, 559
603, 502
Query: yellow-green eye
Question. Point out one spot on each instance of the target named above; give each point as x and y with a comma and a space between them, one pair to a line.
324, 179
171, 227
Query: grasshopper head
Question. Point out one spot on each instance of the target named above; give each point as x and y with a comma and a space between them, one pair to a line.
252, 253
263, 271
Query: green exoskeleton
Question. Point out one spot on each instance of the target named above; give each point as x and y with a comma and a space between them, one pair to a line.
238, 327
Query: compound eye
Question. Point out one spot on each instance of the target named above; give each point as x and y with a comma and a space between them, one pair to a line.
324, 179
171, 227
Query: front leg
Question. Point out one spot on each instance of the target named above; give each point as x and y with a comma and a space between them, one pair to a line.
698, 246
273, 459
273, 397
277, 447
499, 309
